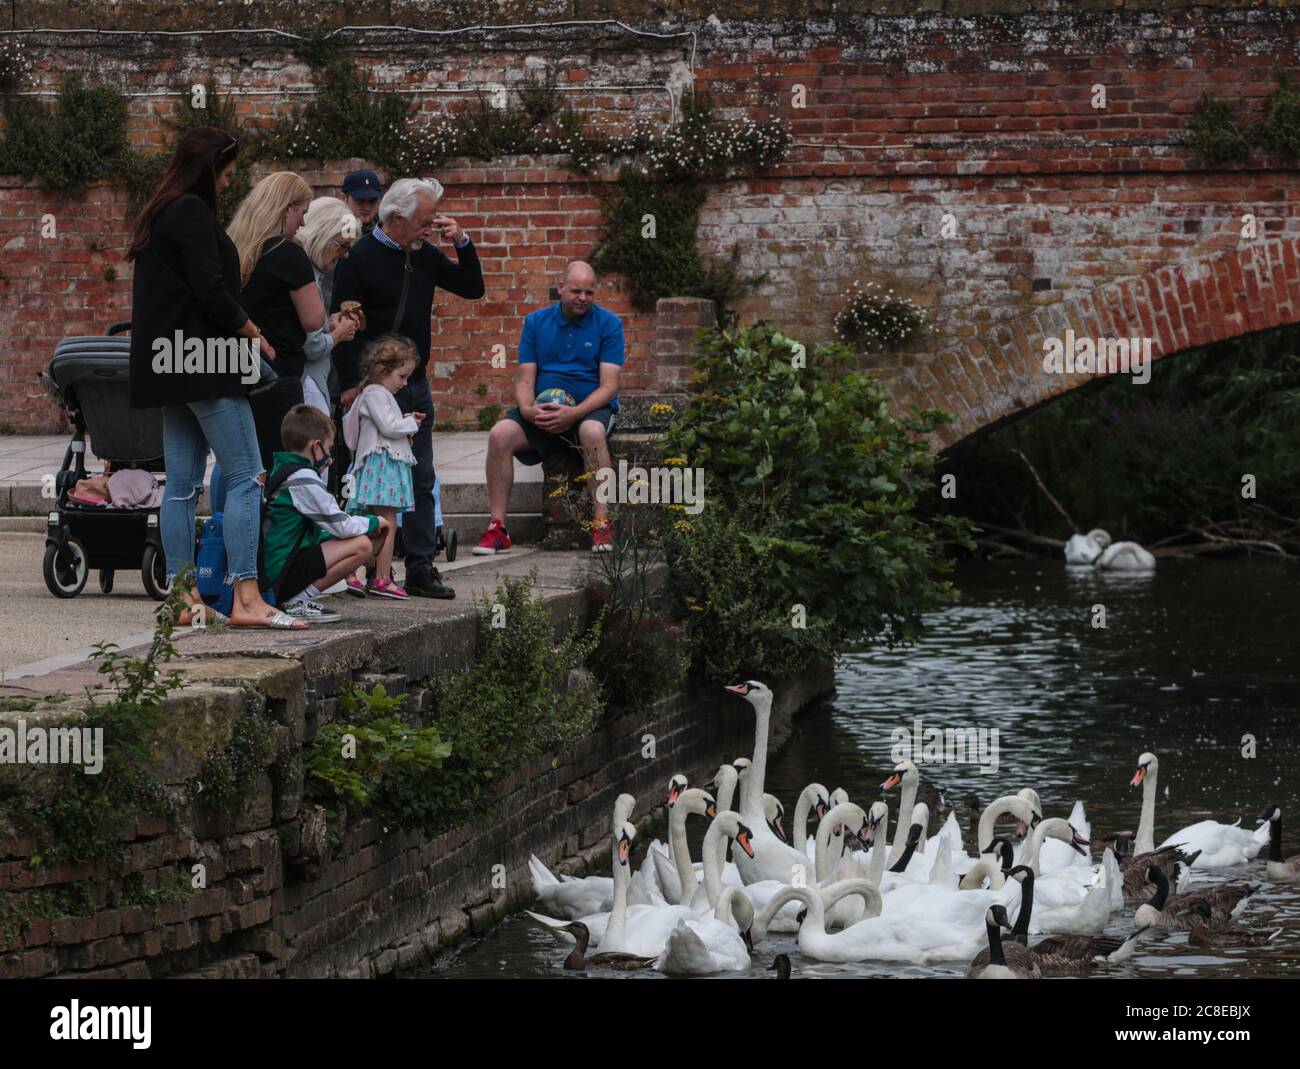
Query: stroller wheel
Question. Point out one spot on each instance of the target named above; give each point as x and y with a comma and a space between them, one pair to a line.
65, 568
106, 580
451, 546
153, 571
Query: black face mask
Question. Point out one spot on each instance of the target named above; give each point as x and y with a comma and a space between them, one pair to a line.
322, 465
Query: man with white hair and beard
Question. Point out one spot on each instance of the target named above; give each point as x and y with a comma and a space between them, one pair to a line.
393, 272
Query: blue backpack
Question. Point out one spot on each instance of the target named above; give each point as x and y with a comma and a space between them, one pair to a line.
210, 562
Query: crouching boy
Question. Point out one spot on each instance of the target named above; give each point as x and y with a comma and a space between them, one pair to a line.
309, 543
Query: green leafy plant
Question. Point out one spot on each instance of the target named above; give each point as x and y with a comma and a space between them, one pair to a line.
488, 416
374, 762
1280, 128
812, 488
81, 139
226, 773
1216, 133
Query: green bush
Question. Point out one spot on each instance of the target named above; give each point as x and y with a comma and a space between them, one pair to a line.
81, 139
1216, 133
1280, 129
371, 760
812, 488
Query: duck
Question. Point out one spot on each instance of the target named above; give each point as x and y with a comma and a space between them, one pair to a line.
1085, 549
578, 959
1021, 965
1216, 845
570, 897
1200, 934
781, 966
1278, 869
770, 859
1161, 911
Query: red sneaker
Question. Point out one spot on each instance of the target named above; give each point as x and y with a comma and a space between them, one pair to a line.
602, 536
494, 540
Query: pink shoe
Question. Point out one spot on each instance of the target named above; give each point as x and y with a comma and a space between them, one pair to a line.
356, 587
386, 588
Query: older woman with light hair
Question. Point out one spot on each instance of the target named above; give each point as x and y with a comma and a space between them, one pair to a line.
326, 235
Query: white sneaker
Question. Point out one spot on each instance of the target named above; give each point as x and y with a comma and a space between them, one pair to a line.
314, 611
337, 588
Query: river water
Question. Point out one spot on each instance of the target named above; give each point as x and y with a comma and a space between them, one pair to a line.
1194, 664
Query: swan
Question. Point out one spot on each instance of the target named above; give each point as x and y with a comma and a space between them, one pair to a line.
812, 799
1085, 549
770, 859
906, 773
1126, 557
713, 944
913, 939
992, 866
570, 897
1013, 804
678, 879
1219, 845
1279, 870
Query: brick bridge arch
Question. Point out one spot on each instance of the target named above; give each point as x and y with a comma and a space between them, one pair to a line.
1184, 305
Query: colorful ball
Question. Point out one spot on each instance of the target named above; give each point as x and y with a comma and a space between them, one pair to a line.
555, 396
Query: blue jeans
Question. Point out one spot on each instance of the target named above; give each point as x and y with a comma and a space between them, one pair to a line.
224, 424
419, 529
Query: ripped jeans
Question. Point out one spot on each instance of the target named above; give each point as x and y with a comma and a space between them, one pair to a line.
224, 424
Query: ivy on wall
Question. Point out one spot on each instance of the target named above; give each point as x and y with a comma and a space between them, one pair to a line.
650, 217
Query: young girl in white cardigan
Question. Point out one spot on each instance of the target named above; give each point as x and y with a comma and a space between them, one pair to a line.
380, 439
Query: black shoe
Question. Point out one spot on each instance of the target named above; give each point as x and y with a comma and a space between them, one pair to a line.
428, 585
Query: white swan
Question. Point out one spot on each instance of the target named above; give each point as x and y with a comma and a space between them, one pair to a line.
812, 799
1085, 549
910, 938
571, 897
708, 945
678, 879
906, 773
1220, 845
771, 859
1126, 557
1011, 804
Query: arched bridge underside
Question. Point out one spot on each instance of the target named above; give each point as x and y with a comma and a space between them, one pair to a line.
1023, 363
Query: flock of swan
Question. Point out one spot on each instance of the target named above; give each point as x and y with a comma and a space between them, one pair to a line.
1096, 550
852, 893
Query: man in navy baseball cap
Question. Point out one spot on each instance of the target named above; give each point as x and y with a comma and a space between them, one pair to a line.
361, 193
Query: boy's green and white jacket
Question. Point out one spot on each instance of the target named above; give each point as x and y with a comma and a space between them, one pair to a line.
304, 514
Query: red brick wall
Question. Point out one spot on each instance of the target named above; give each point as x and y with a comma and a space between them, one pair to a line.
988, 118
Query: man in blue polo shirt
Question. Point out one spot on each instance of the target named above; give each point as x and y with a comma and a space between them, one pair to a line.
575, 346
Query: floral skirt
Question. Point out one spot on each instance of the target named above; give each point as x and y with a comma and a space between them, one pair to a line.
381, 482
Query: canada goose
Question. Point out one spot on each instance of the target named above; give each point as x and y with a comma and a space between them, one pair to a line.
781, 966
1171, 860
1057, 955
1118, 841
1279, 870
998, 966
578, 959
913, 838
1161, 911
1201, 913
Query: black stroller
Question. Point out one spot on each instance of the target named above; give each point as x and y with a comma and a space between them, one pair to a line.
90, 378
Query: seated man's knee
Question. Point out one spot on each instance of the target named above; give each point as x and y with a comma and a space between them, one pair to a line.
591, 433
506, 436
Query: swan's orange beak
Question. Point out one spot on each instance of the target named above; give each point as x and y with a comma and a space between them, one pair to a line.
711, 810
743, 839
674, 792
624, 850
738, 688
894, 780
1138, 777
821, 810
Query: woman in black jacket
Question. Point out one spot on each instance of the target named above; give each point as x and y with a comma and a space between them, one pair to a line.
189, 356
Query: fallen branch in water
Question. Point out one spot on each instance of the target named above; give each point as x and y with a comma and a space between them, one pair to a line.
1043, 487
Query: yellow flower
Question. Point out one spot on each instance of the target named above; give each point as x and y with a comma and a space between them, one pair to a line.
675, 460
557, 492
583, 477
678, 508
660, 409
683, 525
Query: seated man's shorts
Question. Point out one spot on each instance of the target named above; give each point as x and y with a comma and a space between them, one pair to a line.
541, 443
